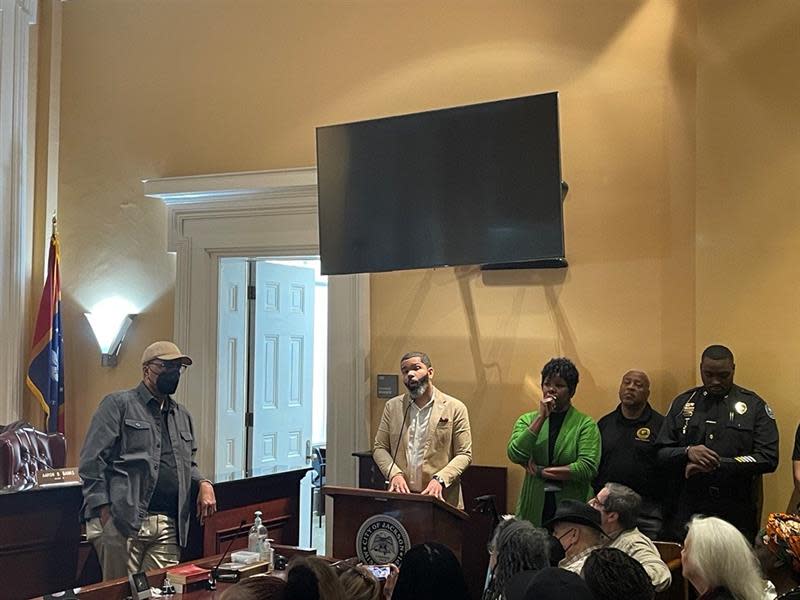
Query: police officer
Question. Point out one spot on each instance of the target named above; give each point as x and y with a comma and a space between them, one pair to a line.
629, 454
722, 437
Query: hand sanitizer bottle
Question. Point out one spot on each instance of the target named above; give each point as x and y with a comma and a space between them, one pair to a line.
257, 535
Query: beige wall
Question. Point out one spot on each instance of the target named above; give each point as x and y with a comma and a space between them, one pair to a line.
748, 216
627, 300
155, 88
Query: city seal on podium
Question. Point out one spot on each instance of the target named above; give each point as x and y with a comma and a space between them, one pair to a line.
381, 540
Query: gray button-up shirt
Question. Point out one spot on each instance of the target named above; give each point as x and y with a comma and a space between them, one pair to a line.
120, 458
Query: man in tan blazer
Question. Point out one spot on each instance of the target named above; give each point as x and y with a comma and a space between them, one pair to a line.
424, 442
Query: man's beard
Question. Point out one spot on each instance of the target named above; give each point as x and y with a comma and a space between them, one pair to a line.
420, 389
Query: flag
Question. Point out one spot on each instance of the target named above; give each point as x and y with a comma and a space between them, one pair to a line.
45, 377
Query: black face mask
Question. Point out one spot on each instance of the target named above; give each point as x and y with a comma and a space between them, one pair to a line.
167, 381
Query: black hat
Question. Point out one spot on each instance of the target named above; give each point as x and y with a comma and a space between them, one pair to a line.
575, 511
557, 584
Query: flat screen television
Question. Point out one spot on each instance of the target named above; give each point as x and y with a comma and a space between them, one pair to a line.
477, 184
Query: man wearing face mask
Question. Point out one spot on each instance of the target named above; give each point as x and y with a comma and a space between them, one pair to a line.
424, 441
138, 470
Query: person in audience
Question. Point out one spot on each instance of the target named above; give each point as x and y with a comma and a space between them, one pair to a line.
719, 562
491, 546
357, 582
777, 552
430, 571
518, 546
619, 506
558, 446
722, 438
138, 469
629, 454
424, 442
256, 588
794, 502
553, 583
611, 574
312, 578
579, 528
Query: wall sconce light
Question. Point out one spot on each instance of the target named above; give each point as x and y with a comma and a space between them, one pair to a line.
110, 320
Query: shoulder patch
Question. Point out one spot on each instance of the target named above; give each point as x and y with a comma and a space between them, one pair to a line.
769, 412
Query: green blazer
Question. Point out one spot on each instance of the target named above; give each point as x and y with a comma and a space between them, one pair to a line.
577, 445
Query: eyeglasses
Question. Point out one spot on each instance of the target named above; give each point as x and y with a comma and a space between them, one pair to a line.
596, 504
169, 365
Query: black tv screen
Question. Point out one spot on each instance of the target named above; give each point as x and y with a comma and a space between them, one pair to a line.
478, 184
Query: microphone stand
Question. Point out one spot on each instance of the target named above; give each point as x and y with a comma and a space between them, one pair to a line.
213, 575
388, 481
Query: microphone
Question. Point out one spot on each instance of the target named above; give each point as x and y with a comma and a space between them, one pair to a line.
214, 575
399, 440
487, 503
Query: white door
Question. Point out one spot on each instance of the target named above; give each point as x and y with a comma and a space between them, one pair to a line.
282, 366
231, 368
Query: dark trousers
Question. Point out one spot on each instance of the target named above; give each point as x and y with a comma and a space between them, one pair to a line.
651, 518
739, 512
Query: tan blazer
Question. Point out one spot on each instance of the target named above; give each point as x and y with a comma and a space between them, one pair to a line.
448, 450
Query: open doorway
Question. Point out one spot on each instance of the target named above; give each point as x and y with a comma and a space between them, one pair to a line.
272, 369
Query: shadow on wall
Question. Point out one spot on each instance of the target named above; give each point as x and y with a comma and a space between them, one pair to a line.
549, 280
566, 33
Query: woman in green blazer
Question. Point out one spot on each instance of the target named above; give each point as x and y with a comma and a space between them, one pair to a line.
558, 446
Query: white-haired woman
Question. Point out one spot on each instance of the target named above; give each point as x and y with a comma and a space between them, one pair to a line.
720, 564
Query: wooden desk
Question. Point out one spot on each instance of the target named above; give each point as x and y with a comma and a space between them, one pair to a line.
39, 537
119, 589
276, 493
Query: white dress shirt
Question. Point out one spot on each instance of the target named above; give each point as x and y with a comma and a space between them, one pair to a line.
417, 436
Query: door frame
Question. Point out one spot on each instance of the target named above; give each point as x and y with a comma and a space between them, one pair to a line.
261, 213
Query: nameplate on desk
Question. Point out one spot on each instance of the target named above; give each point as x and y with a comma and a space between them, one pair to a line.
51, 477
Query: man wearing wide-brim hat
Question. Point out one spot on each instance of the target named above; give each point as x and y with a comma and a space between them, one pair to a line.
578, 527
138, 469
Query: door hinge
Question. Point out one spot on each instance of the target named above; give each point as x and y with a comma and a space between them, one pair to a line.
248, 419
251, 292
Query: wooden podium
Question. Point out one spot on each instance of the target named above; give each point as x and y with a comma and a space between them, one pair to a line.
424, 518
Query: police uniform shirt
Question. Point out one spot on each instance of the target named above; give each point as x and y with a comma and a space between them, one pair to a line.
741, 429
629, 452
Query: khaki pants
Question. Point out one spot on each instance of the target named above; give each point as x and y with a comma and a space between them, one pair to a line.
154, 546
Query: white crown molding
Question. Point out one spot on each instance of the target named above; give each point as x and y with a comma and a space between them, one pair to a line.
219, 186
263, 213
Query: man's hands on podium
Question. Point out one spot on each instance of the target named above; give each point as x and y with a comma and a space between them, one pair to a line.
434, 489
399, 484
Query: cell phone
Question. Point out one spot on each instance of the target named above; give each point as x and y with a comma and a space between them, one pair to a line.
140, 586
378, 571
